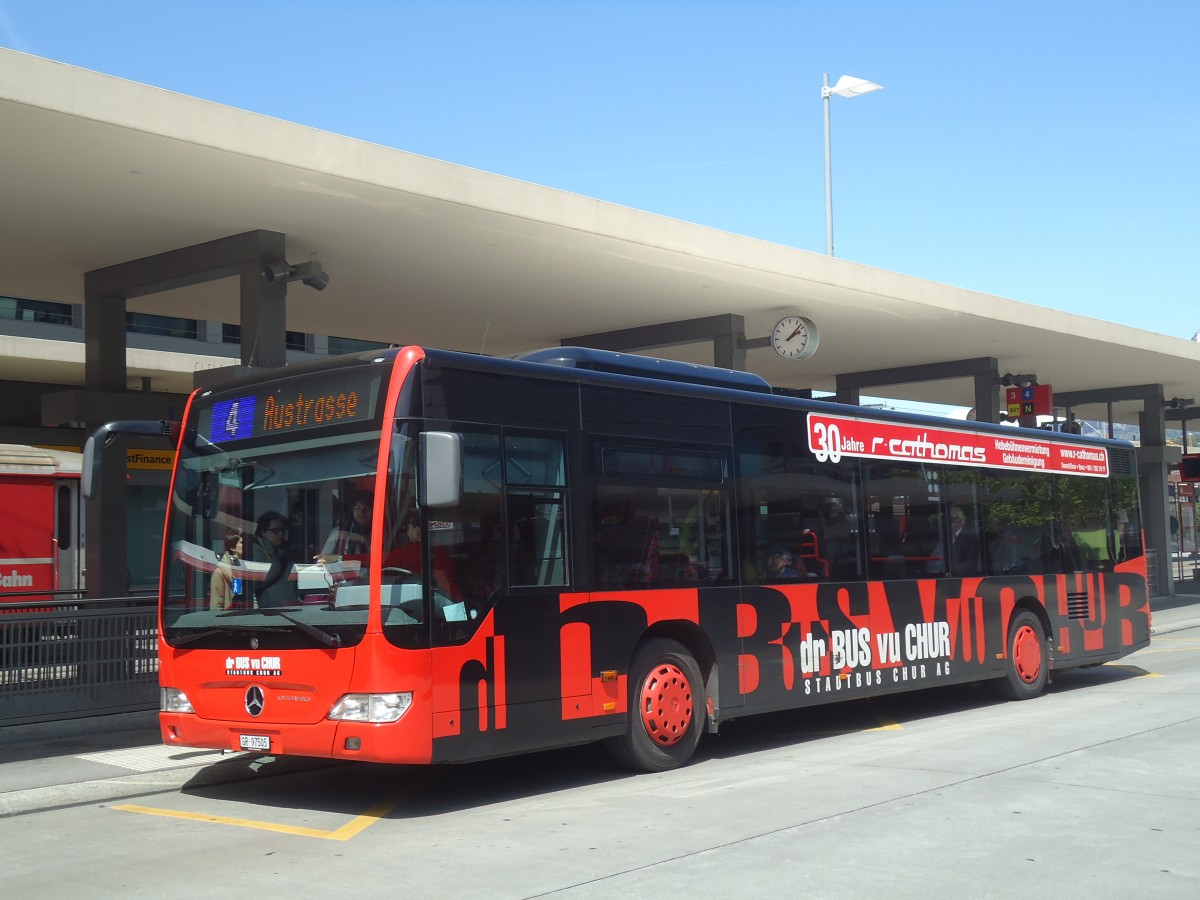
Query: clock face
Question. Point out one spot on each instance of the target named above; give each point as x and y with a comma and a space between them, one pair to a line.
794, 337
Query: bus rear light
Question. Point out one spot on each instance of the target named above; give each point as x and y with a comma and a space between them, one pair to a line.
374, 708
173, 700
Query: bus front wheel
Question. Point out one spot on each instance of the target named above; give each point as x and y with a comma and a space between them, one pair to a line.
666, 705
1027, 668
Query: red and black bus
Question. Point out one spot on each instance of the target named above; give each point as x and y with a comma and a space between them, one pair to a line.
580, 545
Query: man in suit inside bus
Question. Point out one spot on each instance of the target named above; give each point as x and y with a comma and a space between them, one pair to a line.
963, 555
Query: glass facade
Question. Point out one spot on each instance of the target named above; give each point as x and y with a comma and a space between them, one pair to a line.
35, 311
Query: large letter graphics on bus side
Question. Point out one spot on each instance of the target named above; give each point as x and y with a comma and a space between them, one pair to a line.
775, 646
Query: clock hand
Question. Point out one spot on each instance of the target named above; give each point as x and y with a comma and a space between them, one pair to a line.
799, 328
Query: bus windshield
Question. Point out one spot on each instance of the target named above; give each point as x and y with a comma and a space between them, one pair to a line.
270, 541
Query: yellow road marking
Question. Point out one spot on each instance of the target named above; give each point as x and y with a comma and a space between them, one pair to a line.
345, 833
1174, 649
886, 723
359, 823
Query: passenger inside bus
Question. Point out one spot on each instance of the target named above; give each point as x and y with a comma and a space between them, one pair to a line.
408, 556
959, 554
226, 589
407, 553
782, 566
271, 546
351, 538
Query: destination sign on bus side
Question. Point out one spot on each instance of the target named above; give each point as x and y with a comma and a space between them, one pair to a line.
831, 437
334, 398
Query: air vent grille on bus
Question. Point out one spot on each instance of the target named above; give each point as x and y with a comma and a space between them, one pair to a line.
1077, 605
1122, 462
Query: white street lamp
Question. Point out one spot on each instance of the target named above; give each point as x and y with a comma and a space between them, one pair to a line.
847, 86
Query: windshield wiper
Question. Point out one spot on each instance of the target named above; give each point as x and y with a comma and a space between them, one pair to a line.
207, 632
323, 637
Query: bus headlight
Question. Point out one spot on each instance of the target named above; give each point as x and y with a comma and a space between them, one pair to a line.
174, 700
371, 707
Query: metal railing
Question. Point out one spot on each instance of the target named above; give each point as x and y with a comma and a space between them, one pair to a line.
74, 658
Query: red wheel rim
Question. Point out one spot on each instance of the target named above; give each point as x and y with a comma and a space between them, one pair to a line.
666, 704
1027, 654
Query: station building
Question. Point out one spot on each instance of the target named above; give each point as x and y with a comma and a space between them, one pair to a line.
153, 242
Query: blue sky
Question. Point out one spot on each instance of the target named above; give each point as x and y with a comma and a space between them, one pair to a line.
1047, 151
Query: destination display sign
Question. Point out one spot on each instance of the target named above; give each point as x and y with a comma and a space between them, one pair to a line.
313, 401
832, 437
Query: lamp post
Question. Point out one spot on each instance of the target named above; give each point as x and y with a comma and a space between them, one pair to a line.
847, 86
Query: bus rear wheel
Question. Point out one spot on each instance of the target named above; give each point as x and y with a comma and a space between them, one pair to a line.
666, 703
1028, 665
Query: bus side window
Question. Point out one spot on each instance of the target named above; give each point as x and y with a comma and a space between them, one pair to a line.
537, 539
660, 514
1016, 510
627, 541
536, 508
465, 567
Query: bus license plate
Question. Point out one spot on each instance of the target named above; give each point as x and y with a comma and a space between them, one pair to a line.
254, 742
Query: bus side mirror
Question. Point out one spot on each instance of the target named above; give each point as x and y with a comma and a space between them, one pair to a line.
441, 468
89, 474
93, 448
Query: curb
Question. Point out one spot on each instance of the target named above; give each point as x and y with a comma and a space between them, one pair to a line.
145, 784
115, 726
1181, 625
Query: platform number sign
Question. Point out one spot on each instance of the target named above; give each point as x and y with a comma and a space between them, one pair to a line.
1030, 400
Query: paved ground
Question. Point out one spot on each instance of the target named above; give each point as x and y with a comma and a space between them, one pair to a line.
62, 764
1090, 791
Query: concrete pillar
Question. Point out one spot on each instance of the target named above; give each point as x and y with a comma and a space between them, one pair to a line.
264, 319
105, 399
104, 342
984, 371
1153, 468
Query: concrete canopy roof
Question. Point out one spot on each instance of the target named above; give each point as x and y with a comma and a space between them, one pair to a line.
99, 171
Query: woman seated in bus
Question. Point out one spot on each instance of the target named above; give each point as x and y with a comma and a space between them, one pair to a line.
276, 588
354, 538
226, 589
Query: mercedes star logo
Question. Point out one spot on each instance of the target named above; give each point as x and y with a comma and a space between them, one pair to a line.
254, 700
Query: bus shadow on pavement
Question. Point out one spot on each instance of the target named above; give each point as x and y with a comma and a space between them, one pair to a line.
887, 713
817, 723
350, 788
337, 787
1095, 676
